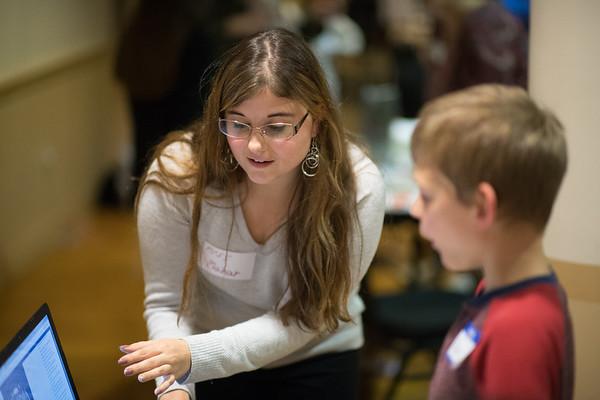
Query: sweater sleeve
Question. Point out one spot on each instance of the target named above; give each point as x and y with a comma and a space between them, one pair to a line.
163, 232
246, 346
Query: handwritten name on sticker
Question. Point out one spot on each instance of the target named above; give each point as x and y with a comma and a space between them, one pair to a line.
227, 264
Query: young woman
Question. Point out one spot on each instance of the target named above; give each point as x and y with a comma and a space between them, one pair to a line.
255, 230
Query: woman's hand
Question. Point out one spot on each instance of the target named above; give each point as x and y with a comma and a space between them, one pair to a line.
169, 358
176, 395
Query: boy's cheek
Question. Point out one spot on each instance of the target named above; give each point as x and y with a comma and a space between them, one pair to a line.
424, 228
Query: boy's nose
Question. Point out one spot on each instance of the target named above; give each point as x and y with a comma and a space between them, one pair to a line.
416, 208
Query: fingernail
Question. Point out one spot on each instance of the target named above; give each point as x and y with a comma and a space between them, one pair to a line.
156, 392
123, 348
141, 378
127, 372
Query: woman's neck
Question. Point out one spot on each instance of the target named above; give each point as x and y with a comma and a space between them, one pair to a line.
265, 208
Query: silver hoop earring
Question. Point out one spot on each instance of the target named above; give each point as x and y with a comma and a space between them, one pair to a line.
311, 161
229, 161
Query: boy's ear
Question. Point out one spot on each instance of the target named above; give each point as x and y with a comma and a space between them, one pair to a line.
486, 204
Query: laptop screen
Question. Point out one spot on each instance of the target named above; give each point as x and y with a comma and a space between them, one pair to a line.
33, 365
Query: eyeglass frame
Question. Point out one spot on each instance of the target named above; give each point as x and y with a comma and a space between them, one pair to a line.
261, 130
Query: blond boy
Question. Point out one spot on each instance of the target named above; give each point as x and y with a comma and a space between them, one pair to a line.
489, 163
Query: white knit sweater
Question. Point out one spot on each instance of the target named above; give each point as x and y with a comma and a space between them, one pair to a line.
240, 331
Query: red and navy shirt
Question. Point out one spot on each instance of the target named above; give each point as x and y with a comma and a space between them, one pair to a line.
514, 342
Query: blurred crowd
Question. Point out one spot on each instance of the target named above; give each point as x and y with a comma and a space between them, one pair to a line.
166, 49
445, 45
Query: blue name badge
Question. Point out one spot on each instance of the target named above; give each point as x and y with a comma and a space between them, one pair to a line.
463, 345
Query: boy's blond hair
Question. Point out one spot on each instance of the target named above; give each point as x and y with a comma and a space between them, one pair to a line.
495, 134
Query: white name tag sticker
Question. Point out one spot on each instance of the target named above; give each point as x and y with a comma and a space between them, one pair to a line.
463, 345
227, 264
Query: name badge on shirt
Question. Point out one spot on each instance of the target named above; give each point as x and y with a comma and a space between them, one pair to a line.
227, 264
463, 345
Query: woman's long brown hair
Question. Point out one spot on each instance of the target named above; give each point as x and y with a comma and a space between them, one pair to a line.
322, 217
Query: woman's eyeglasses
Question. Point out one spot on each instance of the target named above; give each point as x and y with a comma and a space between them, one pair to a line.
275, 131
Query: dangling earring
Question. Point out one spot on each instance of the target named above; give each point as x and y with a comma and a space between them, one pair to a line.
229, 161
311, 161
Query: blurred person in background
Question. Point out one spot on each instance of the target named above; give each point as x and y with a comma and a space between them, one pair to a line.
474, 41
520, 9
408, 29
164, 51
331, 32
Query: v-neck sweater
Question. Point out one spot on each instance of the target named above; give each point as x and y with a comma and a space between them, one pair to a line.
233, 325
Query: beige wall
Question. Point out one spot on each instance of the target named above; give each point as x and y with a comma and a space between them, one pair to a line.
62, 121
36, 34
564, 65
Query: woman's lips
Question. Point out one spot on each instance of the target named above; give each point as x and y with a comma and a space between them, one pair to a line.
260, 163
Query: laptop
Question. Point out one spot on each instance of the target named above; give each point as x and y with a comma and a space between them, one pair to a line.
33, 365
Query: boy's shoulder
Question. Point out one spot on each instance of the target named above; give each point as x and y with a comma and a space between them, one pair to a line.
522, 335
528, 308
